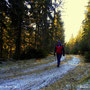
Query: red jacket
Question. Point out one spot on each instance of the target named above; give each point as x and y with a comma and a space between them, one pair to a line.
59, 49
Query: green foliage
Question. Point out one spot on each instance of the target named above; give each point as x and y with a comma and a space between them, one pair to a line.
3, 13
86, 35
16, 12
29, 23
87, 56
67, 49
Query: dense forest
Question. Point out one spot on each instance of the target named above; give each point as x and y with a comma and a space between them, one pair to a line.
29, 28
81, 43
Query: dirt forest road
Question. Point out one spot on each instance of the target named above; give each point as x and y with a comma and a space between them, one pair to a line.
36, 81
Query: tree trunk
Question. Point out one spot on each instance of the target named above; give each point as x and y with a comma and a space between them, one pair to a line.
1, 42
18, 43
44, 33
36, 37
10, 51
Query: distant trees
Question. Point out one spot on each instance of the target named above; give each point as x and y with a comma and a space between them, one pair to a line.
27, 24
86, 34
81, 43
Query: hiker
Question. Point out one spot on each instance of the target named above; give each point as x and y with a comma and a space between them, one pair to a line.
59, 49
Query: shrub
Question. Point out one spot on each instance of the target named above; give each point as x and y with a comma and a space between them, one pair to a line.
41, 53
33, 53
23, 55
28, 54
87, 56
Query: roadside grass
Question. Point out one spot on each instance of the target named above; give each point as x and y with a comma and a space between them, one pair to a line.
16, 67
74, 78
26, 63
85, 79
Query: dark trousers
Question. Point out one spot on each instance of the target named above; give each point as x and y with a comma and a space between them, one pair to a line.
58, 59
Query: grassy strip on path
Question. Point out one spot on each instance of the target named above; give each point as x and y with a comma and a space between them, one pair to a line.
47, 60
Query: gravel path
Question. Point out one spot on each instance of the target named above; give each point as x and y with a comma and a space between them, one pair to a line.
40, 80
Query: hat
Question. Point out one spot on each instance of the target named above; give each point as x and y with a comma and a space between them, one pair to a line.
59, 42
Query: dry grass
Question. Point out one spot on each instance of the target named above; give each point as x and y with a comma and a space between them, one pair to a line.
26, 64
73, 78
68, 82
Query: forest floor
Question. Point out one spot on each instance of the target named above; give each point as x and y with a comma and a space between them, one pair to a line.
73, 74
